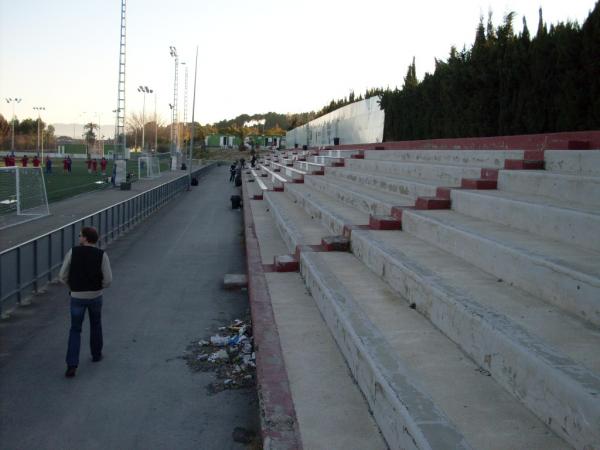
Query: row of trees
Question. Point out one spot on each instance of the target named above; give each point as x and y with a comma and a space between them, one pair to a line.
26, 134
507, 83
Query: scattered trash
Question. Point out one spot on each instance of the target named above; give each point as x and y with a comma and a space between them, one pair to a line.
229, 353
219, 341
221, 355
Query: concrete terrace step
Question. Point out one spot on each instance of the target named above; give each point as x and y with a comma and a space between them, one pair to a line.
334, 216
292, 174
295, 226
310, 167
423, 391
561, 220
476, 158
445, 174
256, 186
328, 160
561, 274
467, 305
330, 410
583, 163
332, 414
368, 200
277, 181
563, 187
411, 187
340, 153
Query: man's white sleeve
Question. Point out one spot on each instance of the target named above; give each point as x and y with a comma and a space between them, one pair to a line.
106, 271
63, 275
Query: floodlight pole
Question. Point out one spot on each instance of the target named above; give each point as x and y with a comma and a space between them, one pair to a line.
193, 118
145, 90
155, 126
13, 101
174, 137
38, 109
185, 105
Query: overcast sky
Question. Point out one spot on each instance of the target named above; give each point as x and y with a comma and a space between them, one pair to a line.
254, 56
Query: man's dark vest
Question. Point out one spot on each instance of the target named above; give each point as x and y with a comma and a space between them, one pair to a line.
85, 273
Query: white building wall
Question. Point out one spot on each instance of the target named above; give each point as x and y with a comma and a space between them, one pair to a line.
357, 123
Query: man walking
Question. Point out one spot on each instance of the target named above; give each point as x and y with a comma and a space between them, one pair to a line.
86, 270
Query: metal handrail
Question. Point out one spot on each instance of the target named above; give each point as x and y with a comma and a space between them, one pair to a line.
36, 262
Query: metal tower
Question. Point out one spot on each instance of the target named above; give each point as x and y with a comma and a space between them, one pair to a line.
185, 104
120, 138
174, 112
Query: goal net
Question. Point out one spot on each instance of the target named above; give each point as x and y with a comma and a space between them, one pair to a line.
148, 167
22, 195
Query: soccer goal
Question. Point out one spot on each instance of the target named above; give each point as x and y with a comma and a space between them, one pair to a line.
22, 195
148, 167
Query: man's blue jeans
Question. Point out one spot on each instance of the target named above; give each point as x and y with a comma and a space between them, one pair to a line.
78, 307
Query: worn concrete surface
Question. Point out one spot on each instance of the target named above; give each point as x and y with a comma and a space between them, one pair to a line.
331, 412
166, 294
577, 162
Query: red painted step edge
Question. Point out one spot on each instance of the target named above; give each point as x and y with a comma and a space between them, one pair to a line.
478, 183
443, 192
521, 164
384, 223
432, 203
286, 263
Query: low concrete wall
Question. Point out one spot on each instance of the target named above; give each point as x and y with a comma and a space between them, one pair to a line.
576, 140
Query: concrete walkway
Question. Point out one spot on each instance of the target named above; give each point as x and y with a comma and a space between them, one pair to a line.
166, 294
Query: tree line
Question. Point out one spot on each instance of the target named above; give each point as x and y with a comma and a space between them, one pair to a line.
506, 84
26, 134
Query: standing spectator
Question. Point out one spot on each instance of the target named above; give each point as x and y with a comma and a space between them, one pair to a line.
65, 165
89, 164
95, 166
69, 164
12, 160
86, 271
232, 172
48, 165
103, 165
36, 161
24, 160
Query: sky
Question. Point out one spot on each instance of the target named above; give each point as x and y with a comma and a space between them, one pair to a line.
253, 56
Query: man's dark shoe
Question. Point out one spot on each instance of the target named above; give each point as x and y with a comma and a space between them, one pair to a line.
70, 373
97, 358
